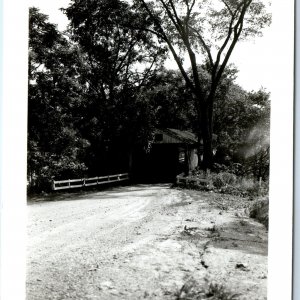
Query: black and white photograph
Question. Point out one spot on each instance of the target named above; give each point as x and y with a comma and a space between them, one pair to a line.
149, 149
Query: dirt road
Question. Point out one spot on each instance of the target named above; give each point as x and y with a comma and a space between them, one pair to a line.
142, 242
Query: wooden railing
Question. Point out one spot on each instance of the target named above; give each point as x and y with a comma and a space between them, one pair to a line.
76, 183
187, 179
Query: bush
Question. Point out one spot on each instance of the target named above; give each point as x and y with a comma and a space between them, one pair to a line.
50, 167
234, 168
252, 188
260, 211
192, 290
228, 183
223, 179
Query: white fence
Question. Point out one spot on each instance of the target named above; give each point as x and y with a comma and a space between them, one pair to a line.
186, 179
76, 183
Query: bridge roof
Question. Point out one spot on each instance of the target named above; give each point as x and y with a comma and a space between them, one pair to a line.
175, 136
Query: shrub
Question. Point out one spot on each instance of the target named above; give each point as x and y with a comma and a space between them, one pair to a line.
191, 290
251, 188
260, 211
218, 181
223, 179
227, 183
234, 168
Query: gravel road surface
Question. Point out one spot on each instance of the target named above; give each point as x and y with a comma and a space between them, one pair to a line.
140, 242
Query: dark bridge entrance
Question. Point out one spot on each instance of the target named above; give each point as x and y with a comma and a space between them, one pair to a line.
172, 152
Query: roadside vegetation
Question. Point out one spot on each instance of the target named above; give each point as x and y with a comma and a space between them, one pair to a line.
260, 211
100, 87
191, 290
250, 194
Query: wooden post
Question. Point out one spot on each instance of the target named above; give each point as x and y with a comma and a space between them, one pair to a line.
69, 183
260, 181
207, 173
53, 185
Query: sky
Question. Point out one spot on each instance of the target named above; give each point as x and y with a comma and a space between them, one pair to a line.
252, 58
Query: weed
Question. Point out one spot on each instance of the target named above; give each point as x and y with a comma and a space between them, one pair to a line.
223, 179
212, 229
191, 290
189, 230
243, 223
260, 211
226, 183
219, 292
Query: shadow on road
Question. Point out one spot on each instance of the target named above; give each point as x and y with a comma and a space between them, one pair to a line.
241, 235
99, 193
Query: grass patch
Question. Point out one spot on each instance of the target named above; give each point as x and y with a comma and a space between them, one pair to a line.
226, 183
259, 210
191, 290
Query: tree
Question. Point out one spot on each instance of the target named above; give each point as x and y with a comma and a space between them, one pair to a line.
120, 58
242, 123
170, 100
257, 156
210, 29
55, 145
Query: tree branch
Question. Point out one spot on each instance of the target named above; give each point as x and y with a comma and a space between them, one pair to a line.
228, 7
175, 14
167, 40
169, 13
131, 45
237, 31
227, 38
205, 46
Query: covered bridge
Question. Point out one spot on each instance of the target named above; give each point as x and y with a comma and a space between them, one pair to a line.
172, 152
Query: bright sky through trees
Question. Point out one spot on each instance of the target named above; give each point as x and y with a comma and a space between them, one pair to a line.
252, 58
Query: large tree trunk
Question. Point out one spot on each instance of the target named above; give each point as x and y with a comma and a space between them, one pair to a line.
204, 116
206, 131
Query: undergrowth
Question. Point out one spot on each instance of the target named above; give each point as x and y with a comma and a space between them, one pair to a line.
259, 210
226, 183
191, 290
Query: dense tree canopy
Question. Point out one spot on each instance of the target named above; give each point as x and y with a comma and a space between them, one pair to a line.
100, 88
54, 143
210, 29
121, 58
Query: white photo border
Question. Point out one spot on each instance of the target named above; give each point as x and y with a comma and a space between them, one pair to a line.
13, 150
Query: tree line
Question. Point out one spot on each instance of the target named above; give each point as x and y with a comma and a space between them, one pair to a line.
99, 88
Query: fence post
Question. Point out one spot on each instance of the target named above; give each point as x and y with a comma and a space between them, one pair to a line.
69, 183
207, 173
259, 183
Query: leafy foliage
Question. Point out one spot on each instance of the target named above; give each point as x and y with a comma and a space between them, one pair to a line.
259, 210
192, 290
242, 122
210, 29
98, 89
120, 60
54, 143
